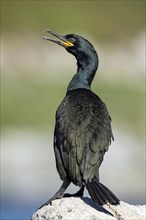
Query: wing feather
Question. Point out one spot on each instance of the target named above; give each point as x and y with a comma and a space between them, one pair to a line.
83, 134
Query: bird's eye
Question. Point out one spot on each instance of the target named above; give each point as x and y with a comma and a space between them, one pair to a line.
72, 40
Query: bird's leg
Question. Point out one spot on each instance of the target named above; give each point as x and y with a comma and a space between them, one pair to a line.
77, 194
58, 195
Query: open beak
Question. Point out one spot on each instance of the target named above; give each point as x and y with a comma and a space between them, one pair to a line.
61, 39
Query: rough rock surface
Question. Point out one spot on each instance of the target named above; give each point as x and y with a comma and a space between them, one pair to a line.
84, 209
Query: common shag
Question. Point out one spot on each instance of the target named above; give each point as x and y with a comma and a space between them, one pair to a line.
83, 126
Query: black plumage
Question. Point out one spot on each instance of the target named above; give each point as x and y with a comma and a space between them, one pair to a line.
83, 126
82, 135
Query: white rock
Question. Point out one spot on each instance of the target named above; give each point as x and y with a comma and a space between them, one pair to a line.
84, 209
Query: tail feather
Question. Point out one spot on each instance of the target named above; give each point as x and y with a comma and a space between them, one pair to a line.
96, 199
100, 194
100, 197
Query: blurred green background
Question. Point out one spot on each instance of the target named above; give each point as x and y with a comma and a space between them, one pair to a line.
26, 93
35, 75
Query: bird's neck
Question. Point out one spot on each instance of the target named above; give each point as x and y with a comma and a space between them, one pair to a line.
87, 66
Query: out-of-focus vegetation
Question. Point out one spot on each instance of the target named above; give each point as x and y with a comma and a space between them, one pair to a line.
106, 20
32, 103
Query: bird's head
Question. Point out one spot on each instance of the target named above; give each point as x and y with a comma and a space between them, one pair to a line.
74, 44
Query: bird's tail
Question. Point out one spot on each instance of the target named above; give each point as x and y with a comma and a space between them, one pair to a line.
101, 194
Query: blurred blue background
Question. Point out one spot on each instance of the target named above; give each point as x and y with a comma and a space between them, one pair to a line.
34, 78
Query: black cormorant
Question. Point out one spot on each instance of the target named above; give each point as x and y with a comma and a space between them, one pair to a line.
83, 126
